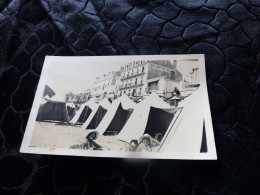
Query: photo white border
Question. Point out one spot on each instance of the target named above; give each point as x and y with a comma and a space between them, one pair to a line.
52, 60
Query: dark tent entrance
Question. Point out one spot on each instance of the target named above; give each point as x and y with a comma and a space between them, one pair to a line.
53, 111
100, 113
204, 145
71, 112
84, 115
119, 120
158, 122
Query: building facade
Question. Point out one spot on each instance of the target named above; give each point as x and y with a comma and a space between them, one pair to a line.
143, 77
133, 78
192, 79
106, 85
162, 86
137, 79
70, 97
76, 98
194, 76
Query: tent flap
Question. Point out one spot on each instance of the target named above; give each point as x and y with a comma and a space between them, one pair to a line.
119, 120
158, 121
100, 113
71, 111
84, 114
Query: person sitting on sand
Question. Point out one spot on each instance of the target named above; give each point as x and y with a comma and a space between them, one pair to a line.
132, 146
90, 144
158, 137
147, 143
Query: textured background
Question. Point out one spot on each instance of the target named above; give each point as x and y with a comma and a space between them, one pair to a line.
227, 31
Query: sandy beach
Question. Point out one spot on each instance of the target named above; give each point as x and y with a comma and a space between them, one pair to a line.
48, 134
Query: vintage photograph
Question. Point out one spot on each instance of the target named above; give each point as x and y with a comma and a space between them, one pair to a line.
122, 106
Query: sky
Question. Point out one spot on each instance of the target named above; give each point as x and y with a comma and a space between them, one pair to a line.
186, 66
78, 75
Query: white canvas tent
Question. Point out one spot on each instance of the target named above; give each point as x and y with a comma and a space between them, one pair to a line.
84, 112
117, 115
55, 98
152, 111
71, 104
186, 133
43, 100
104, 104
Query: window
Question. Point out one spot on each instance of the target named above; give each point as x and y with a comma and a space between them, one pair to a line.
133, 93
143, 69
172, 75
137, 70
153, 86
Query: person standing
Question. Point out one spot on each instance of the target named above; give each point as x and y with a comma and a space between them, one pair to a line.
177, 92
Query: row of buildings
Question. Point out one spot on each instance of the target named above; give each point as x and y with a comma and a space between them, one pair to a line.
138, 79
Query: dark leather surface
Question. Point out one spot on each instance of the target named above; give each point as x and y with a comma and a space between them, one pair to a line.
227, 31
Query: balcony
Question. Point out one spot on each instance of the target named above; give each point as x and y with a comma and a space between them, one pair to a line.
131, 76
120, 87
139, 84
130, 86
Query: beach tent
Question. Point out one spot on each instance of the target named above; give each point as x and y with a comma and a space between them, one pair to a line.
117, 115
54, 109
151, 116
174, 101
97, 114
84, 112
43, 100
48, 92
186, 133
71, 108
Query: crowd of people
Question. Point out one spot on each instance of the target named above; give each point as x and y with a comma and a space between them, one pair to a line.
145, 144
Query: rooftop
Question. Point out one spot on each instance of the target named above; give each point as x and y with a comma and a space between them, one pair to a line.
165, 63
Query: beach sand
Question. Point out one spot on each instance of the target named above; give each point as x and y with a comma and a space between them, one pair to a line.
48, 134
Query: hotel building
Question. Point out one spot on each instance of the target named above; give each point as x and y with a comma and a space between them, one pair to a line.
143, 77
106, 85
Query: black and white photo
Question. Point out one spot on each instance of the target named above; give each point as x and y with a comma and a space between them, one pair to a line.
122, 106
